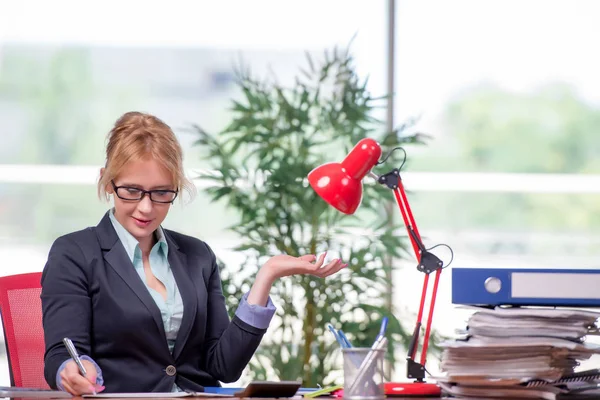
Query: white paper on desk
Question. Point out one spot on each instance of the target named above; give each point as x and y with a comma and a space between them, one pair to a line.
481, 317
11, 391
504, 342
536, 312
547, 393
535, 362
163, 395
505, 353
136, 395
493, 331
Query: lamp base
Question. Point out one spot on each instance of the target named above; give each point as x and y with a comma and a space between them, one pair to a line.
412, 389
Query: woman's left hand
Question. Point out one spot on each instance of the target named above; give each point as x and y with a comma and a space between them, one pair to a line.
283, 265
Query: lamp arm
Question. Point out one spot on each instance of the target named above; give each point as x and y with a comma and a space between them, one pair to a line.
427, 263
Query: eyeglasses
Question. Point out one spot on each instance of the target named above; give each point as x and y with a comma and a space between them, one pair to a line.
136, 194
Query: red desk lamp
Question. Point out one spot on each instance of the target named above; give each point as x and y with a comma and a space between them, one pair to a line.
340, 185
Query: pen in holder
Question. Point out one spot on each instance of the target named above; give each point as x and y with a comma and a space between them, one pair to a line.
365, 380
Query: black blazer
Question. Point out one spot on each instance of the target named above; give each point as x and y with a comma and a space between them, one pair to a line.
92, 294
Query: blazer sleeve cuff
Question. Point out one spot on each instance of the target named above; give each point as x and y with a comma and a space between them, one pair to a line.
254, 315
99, 378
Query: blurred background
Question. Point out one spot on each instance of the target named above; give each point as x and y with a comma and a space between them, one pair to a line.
508, 90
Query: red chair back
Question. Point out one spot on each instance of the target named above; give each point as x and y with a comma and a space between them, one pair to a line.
21, 310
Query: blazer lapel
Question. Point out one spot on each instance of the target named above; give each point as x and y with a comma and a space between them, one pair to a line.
116, 256
187, 290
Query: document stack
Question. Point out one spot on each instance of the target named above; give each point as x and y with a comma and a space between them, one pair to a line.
522, 353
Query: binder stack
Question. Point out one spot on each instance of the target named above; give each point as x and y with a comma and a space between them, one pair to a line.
518, 353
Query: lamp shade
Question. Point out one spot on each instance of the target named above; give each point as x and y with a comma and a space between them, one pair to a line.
340, 184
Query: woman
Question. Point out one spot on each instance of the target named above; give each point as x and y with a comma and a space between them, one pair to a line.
143, 305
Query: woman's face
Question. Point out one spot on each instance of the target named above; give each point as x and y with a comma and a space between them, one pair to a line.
142, 217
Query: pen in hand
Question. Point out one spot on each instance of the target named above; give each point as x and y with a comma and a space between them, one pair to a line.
75, 356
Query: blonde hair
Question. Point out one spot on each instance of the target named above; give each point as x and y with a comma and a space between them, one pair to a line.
138, 136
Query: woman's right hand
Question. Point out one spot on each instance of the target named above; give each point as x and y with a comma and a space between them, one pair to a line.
77, 384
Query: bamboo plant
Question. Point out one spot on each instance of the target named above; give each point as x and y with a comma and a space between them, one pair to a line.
276, 136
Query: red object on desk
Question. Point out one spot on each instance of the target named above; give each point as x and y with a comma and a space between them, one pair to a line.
395, 389
416, 389
340, 185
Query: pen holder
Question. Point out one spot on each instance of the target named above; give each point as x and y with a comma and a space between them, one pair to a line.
363, 373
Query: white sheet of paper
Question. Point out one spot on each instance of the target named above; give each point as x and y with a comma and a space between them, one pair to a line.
7, 391
137, 395
153, 395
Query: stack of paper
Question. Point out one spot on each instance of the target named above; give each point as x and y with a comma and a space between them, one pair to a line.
503, 349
